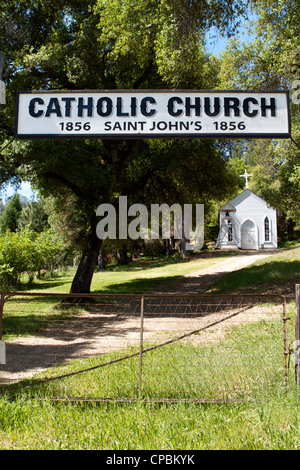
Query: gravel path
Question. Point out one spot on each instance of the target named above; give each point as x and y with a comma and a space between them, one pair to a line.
95, 333
199, 282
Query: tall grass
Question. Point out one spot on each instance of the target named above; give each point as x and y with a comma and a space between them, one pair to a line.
246, 367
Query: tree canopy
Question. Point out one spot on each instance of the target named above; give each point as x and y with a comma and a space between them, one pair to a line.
97, 44
271, 61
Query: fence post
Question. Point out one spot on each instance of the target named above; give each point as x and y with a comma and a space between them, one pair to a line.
2, 300
297, 336
2, 345
285, 342
141, 346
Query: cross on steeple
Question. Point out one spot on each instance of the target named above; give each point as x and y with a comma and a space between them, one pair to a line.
246, 176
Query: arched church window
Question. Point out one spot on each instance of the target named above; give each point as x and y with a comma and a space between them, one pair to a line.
267, 229
230, 231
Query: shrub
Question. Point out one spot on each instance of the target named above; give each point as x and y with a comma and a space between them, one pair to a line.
24, 252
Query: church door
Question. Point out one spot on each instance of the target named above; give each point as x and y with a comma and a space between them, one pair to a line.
248, 236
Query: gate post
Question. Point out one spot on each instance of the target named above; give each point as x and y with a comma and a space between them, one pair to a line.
141, 346
297, 336
2, 345
2, 300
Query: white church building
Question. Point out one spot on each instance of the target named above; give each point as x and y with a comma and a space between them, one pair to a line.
247, 222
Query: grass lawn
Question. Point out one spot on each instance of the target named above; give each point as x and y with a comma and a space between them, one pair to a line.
269, 418
21, 318
280, 272
136, 277
267, 415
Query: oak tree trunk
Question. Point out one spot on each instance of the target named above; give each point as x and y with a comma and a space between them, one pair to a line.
82, 281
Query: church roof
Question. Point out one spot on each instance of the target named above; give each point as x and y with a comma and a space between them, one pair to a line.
241, 197
227, 207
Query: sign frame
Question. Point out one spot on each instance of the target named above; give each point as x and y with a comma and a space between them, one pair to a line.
36, 109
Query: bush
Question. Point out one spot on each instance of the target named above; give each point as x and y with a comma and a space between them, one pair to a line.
24, 252
6, 275
49, 251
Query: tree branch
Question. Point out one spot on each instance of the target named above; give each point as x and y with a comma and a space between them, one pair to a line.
145, 74
69, 184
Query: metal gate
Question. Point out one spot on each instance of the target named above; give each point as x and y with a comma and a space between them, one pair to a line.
151, 347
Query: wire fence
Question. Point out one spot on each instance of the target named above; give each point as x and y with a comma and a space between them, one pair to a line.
152, 347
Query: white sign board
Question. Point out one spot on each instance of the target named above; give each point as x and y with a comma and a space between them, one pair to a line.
152, 114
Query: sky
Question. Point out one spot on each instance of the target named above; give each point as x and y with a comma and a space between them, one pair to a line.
217, 44
25, 190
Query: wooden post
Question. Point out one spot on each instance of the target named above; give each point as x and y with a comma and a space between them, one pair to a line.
285, 342
2, 345
141, 347
2, 300
297, 336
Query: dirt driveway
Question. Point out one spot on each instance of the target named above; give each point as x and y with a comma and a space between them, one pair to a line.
199, 282
94, 333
